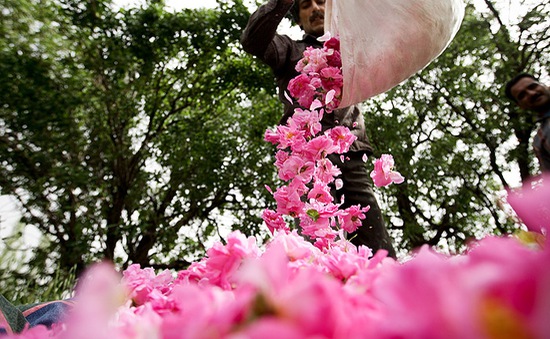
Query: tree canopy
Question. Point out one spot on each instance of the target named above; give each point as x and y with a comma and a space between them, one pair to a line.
136, 134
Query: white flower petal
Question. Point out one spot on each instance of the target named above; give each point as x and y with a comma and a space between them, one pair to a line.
330, 96
287, 96
325, 37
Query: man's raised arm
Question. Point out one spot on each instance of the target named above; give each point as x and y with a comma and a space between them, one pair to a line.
259, 36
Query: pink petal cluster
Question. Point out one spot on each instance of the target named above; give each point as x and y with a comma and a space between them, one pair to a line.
531, 203
142, 282
499, 288
383, 173
320, 76
303, 149
350, 219
222, 261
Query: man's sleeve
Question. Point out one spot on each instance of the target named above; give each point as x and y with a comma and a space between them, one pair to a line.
542, 146
260, 36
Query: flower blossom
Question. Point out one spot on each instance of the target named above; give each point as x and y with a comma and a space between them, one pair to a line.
350, 218
224, 260
143, 282
314, 60
302, 87
308, 121
342, 137
530, 195
296, 167
383, 173
320, 192
332, 79
274, 221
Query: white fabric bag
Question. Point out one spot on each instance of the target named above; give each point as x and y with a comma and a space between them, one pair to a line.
384, 42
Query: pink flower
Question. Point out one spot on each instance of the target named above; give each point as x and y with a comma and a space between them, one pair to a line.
141, 322
383, 173
288, 201
205, 311
305, 172
531, 204
343, 263
334, 59
295, 167
332, 43
512, 281
308, 121
326, 171
193, 274
342, 137
303, 300
98, 296
315, 81
280, 158
271, 328
142, 282
320, 192
290, 137
429, 301
295, 246
301, 88
274, 221
313, 61
331, 79
350, 219
317, 220
319, 147
271, 136
224, 260
498, 288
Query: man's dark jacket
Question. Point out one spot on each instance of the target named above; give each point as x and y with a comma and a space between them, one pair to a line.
282, 53
541, 142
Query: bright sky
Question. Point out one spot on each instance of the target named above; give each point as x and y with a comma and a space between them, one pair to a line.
284, 28
191, 3
178, 4
507, 7
175, 4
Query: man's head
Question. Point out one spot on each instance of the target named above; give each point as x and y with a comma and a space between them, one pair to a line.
310, 16
529, 93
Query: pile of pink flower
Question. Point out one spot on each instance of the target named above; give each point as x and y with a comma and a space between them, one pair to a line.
303, 149
324, 287
291, 289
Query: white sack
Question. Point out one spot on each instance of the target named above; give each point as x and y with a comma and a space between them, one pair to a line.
384, 42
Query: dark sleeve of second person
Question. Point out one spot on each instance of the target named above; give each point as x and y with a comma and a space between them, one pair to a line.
541, 145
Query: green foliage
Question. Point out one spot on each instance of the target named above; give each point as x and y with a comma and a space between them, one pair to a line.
132, 135
15, 284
